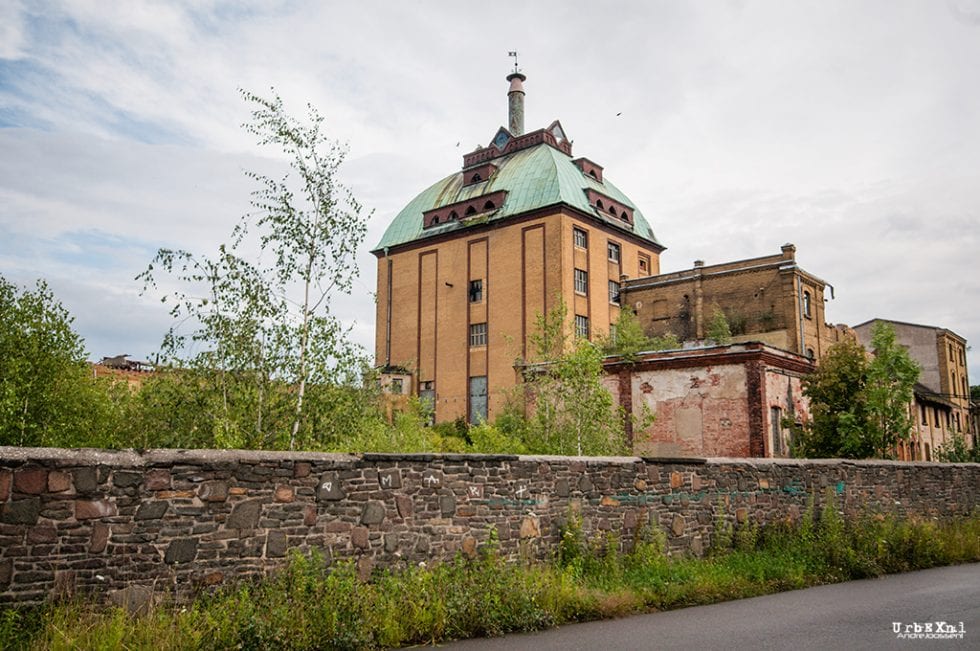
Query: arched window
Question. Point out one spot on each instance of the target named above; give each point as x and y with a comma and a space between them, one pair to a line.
806, 304
489, 206
453, 216
810, 353
598, 204
625, 216
593, 175
476, 178
612, 210
435, 220
470, 210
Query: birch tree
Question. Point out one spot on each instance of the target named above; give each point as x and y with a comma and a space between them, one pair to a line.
268, 330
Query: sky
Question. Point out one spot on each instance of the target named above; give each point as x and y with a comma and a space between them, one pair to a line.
849, 128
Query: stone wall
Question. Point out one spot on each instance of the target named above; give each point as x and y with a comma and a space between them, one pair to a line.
122, 524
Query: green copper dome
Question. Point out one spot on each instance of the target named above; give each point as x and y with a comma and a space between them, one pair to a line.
535, 177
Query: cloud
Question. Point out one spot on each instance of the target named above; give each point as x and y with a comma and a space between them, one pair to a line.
12, 37
847, 128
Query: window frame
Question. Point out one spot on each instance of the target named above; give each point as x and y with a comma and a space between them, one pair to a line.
478, 334
581, 281
614, 246
478, 291
581, 324
578, 235
643, 261
615, 295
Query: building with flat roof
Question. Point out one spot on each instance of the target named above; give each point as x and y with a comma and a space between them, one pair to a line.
941, 402
770, 299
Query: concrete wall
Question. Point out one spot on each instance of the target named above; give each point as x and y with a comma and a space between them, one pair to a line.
711, 401
124, 524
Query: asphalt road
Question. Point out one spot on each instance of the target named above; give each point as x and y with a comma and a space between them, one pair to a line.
854, 615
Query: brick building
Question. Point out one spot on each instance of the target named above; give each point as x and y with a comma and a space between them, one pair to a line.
468, 265
941, 402
717, 401
768, 299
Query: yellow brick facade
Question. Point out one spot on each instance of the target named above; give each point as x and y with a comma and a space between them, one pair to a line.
524, 264
767, 299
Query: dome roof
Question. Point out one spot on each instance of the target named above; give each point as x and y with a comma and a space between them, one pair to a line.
534, 177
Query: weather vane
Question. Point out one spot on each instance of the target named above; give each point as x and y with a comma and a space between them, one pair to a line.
513, 54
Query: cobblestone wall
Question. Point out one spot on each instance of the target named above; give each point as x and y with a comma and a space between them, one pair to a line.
125, 525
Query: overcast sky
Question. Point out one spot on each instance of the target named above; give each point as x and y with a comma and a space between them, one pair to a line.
851, 129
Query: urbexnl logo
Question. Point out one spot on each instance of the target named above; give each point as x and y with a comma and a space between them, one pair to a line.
928, 631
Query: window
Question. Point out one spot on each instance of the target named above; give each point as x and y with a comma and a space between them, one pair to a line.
925, 417
580, 238
806, 305
478, 399
397, 385
644, 265
776, 418
614, 292
612, 333
613, 252
810, 354
581, 282
476, 291
478, 334
582, 326
427, 398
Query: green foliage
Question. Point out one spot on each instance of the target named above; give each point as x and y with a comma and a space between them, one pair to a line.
313, 605
571, 412
957, 450
48, 396
975, 393
723, 536
859, 407
718, 329
630, 339
892, 374
273, 366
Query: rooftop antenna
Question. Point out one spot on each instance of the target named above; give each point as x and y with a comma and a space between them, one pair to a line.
514, 54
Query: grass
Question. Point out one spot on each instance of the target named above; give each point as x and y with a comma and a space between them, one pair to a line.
312, 606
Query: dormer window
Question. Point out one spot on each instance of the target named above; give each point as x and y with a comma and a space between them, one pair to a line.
467, 208
605, 205
478, 174
589, 168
